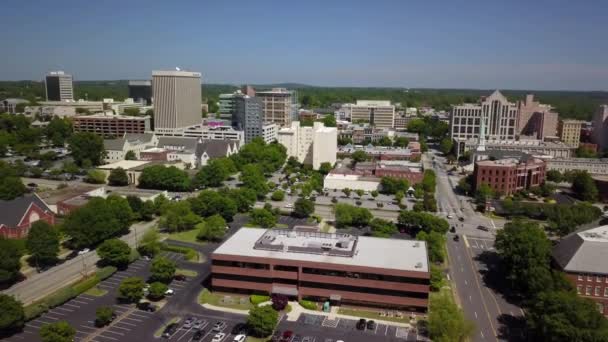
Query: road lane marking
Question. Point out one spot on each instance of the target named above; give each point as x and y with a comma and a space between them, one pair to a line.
466, 242
475, 314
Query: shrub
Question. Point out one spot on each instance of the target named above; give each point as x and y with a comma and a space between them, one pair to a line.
103, 316
257, 299
307, 304
157, 290
279, 302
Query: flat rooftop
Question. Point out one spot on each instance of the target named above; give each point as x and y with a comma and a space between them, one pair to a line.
340, 249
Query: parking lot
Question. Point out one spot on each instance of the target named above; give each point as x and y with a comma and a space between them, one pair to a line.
480, 243
208, 321
320, 329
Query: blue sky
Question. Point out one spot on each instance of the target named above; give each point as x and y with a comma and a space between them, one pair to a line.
449, 44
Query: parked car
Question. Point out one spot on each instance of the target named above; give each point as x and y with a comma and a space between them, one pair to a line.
461, 219
484, 228
276, 337
170, 330
286, 337
179, 277
240, 329
239, 338
218, 337
84, 251
198, 324
169, 292
188, 323
361, 324
453, 229
198, 335
371, 325
456, 238
146, 306
32, 185
450, 216
288, 205
219, 326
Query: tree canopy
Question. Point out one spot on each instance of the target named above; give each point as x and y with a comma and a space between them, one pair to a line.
114, 252
447, 322
162, 270
584, 187
131, 289
303, 208
213, 228
423, 221
60, 331
118, 177
12, 316
86, 146
161, 177
263, 218
178, 216
348, 215
262, 320
43, 243
209, 202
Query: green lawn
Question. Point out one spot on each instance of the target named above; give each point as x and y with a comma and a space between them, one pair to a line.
372, 315
96, 292
187, 273
209, 297
186, 236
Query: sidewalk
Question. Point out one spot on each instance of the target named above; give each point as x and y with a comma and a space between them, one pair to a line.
297, 310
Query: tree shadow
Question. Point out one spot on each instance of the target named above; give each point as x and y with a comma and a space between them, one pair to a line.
494, 276
512, 328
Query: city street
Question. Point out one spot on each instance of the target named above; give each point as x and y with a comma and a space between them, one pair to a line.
41, 284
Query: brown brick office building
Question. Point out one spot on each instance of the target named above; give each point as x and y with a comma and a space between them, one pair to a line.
510, 175
583, 257
342, 268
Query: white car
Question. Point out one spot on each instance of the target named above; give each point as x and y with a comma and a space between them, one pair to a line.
450, 216
218, 337
84, 251
169, 292
239, 338
288, 205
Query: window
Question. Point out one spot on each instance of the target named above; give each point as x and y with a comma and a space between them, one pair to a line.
597, 291
600, 307
579, 289
598, 278
588, 290
606, 291
589, 277
580, 277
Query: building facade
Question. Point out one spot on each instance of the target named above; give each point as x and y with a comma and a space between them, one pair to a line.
59, 86
141, 91
506, 176
249, 117
111, 125
536, 120
591, 165
569, 132
582, 257
499, 115
380, 114
341, 268
116, 149
18, 215
177, 99
555, 149
204, 132
279, 106
600, 127
310, 145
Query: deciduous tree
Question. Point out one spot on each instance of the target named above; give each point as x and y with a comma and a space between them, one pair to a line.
60, 331
131, 289
114, 252
43, 243
262, 320
162, 270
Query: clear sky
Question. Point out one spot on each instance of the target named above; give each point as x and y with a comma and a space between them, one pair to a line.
510, 44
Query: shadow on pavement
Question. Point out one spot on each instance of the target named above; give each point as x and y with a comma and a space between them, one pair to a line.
512, 328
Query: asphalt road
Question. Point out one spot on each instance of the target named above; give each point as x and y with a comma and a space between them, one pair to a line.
41, 284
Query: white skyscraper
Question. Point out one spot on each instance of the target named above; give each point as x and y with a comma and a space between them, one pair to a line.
310, 145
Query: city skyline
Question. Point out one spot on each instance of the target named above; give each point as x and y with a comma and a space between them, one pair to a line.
387, 44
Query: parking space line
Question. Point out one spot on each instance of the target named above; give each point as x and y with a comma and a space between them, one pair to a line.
138, 315
133, 319
50, 313
117, 327
64, 309
85, 297
121, 322
110, 338
79, 302
112, 332
72, 305
87, 327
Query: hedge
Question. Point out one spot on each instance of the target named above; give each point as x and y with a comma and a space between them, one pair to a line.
65, 294
306, 304
257, 299
189, 253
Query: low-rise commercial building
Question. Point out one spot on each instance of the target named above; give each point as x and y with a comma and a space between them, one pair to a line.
65, 207
555, 149
340, 268
390, 168
380, 114
204, 132
582, 256
10, 105
509, 175
310, 145
412, 152
591, 165
111, 125
338, 180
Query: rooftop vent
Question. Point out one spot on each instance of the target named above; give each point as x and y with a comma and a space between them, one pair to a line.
418, 265
417, 244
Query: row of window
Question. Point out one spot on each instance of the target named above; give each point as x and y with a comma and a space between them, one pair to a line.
598, 278
589, 290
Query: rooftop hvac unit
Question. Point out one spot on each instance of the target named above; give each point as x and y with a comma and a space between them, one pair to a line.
418, 265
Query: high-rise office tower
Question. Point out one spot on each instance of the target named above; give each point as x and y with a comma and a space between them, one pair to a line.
141, 91
58, 86
177, 99
248, 116
535, 119
569, 131
381, 114
280, 105
600, 127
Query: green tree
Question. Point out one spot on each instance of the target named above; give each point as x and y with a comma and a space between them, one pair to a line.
10, 255
382, 228
212, 229
12, 316
348, 215
278, 195
253, 178
554, 176
446, 145
86, 146
95, 177
263, 218
11, 188
435, 243
401, 142
325, 168
114, 252
130, 155
329, 120
347, 192
58, 131
209, 202
429, 181
118, 177
162, 270
447, 322
178, 216
525, 253
43, 243
437, 280
585, 152
563, 316
243, 198
262, 320
103, 315
423, 221
131, 289
303, 208
391, 185
359, 156
160, 177
157, 290
60, 331
584, 187
132, 111
215, 172
429, 203
374, 193
483, 193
